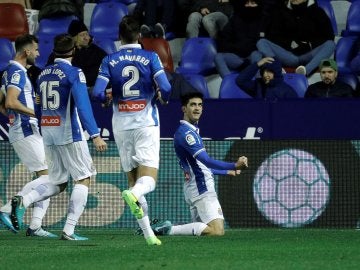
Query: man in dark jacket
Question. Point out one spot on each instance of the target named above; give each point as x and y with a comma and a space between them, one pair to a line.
236, 43
300, 36
271, 83
87, 56
329, 86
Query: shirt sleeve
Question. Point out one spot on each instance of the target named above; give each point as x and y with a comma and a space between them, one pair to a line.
102, 80
82, 101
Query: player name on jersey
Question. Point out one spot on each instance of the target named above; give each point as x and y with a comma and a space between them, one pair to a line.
138, 58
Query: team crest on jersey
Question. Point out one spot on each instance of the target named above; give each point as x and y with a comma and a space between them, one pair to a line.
190, 139
15, 78
82, 77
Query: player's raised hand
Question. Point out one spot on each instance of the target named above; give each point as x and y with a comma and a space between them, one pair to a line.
241, 163
100, 144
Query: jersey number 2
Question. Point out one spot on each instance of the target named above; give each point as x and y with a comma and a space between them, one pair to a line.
133, 73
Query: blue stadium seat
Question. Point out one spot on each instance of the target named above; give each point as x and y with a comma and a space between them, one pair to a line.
345, 51
353, 20
229, 88
7, 52
107, 45
55, 25
327, 7
198, 82
197, 56
105, 19
46, 45
298, 82
349, 78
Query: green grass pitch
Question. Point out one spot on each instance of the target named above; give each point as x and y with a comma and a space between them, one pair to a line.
238, 249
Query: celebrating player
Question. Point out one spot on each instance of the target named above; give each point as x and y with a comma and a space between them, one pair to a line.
65, 105
17, 97
198, 167
131, 72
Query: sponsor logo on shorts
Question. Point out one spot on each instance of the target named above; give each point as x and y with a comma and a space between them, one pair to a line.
51, 121
132, 106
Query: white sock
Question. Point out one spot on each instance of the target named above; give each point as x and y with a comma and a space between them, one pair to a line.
143, 186
144, 224
40, 193
26, 189
6, 208
195, 228
77, 205
39, 212
144, 205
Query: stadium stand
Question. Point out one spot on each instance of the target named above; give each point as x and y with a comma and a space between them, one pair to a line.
13, 21
229, 88
345, 50
105, 19
7, 52
197, 56
297, 81
162, 48
198, 82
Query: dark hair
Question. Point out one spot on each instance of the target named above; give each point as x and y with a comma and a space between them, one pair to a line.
24, 40
63, 45
129, 29
185, 98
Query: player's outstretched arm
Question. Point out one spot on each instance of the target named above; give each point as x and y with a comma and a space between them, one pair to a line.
226, 172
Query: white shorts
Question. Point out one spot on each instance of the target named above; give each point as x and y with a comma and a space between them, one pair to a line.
139, 147
31, 153
206, 209
69, 160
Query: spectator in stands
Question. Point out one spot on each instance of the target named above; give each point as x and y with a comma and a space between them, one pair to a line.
213, 15
329, 86
87, 56
53, 8
271, 83
300, 36
156, 17
236, 43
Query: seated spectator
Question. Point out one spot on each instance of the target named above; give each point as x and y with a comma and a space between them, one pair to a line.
236, 43
300, 36
213, 15
329, 86
271, 83
156, 17
88, 56
54, 8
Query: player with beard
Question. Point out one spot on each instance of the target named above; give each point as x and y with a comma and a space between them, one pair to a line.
17, 95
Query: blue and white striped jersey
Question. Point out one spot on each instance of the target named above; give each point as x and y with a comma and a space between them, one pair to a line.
188, 145
21, 125
131, 72
64, 102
